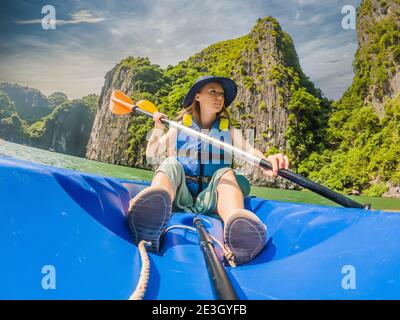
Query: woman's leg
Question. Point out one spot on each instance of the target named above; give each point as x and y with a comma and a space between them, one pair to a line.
244, 232
150, 209
229, 195
161, 179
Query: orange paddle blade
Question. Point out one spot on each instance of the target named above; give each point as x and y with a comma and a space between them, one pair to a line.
146, 106
120, 103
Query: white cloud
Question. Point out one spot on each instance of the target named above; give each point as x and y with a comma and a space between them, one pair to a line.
311, 20
169, 31
306, 2
34, 21
183, 28
82, 16
328, 62
75, 75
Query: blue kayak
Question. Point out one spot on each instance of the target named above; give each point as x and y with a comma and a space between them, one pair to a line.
72, 226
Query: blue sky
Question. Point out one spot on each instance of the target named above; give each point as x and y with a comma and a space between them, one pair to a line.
91, 37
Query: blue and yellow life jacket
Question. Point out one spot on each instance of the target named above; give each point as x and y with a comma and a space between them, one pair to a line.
200, 159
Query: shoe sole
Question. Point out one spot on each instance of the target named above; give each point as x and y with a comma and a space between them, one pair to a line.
245, 238
148, 216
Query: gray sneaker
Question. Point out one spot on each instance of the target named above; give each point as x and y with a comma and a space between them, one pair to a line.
244, 236
148, 215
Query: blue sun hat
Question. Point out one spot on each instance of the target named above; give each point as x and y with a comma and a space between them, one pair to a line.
230, 89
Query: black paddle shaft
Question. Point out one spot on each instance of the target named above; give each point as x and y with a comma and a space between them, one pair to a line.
317, 188
291, 176
222, 287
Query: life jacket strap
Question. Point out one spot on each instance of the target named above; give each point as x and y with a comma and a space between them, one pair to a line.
199, 179
187, 121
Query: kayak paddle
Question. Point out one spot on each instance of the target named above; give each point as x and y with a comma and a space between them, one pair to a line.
122, 104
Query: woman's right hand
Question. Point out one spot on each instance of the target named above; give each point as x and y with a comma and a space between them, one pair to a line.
157, 120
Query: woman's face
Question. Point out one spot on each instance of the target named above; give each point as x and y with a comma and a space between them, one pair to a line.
211, 98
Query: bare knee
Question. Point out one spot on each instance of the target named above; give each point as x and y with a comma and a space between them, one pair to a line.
230, 196
228, 179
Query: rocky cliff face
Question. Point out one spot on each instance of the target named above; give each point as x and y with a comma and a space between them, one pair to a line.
273, 95
109, 138
121, 139
378, 56
66, 129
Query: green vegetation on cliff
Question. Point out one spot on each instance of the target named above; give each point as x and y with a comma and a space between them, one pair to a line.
31, 105
367, 155
11, 125
150, 83
7, 107
56, 98
379, 53
362, 146
66, 129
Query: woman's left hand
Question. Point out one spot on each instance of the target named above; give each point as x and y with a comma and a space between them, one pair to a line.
278, 161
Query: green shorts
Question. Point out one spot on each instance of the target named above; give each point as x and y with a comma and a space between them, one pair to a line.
206, 201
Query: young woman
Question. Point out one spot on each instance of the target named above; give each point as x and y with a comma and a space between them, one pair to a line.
196, 177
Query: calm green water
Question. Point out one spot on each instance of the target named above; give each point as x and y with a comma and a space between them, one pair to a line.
69, 162
90, 166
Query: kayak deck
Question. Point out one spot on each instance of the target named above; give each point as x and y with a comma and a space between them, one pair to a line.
76, 223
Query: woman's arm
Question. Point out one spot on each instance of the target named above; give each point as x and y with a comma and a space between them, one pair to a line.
277, 160
160, 143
